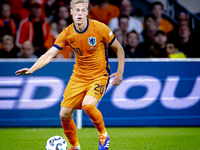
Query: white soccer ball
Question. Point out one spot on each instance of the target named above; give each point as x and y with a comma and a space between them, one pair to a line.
56, 143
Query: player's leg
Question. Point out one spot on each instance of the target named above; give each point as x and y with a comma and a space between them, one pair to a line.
69, 126
89, 106
72, 98
89, 103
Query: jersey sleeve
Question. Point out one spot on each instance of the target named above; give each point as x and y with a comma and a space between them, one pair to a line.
61, 40
108, 36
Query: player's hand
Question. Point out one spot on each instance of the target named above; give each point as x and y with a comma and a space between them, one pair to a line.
117, 80
24, 71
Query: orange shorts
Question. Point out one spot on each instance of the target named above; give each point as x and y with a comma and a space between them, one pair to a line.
76, 91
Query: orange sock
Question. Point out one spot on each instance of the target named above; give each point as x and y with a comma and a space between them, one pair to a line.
96, 117
69, 129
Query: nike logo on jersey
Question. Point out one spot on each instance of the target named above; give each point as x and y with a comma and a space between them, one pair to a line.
73, 42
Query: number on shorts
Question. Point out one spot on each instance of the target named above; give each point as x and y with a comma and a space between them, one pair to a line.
99, 88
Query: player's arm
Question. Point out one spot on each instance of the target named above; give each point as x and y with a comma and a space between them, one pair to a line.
120, 56
41, 62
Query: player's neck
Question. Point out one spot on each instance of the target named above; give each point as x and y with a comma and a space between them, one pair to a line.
81, 27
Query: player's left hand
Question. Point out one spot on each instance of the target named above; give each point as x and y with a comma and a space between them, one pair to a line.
24, 71
118, 78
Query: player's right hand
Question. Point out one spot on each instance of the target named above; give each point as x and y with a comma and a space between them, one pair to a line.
24, 71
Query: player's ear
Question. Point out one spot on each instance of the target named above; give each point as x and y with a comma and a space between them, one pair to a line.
71, 12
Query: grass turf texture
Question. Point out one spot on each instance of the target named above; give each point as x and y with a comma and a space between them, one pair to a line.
184, 138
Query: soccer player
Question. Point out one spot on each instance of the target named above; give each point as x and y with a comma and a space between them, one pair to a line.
91, 71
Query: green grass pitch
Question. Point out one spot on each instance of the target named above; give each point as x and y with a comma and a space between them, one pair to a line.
133, 138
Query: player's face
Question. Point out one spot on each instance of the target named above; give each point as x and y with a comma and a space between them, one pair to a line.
79, 12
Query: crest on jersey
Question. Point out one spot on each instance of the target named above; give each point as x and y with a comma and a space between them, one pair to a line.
92, 41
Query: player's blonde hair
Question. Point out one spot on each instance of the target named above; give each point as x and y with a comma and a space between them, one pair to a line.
78, 1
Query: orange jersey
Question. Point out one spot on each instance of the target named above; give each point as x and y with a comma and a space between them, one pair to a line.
89, 45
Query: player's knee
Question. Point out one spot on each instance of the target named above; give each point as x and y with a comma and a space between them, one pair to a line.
88, 109
64, 115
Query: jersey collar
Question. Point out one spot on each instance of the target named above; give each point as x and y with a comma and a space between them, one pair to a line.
84, 29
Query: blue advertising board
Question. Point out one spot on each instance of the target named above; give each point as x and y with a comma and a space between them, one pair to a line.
154, 92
